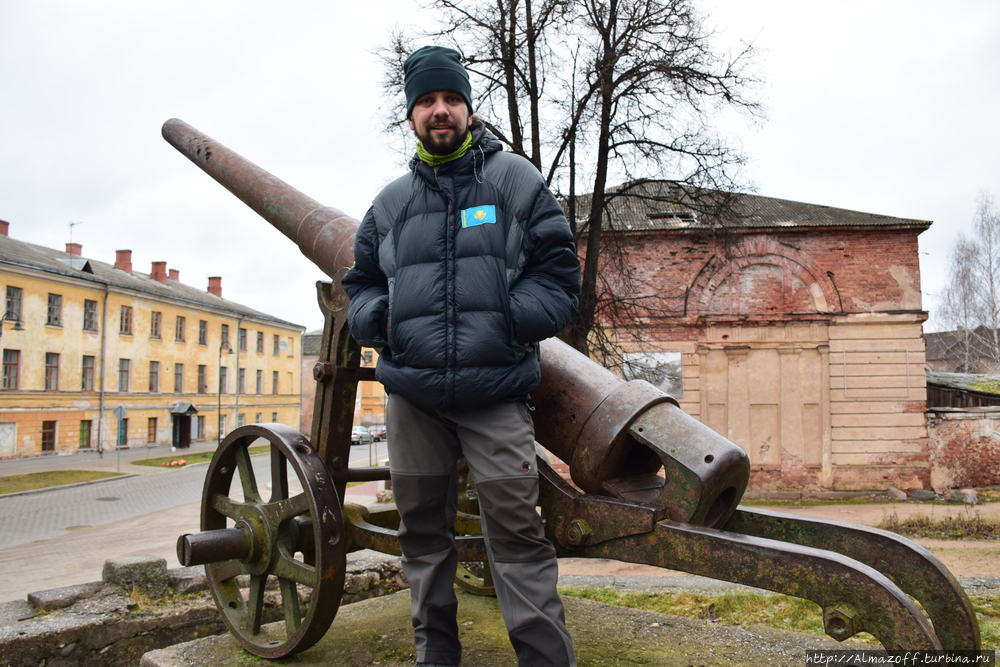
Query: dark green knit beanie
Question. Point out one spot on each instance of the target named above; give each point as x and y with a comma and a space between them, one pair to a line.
434, 68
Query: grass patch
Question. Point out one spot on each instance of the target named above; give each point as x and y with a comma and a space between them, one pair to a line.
44, 480
777, 611
875, 498
962, 527
197, 457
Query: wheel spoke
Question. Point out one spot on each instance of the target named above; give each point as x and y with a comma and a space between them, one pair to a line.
228, 507
283, 510
247, 478
279, 475
255, 602
228, 569
293, 570
290, 605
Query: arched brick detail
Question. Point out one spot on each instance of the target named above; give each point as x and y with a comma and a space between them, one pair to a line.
774, 273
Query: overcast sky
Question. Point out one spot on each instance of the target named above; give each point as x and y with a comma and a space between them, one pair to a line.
888, 107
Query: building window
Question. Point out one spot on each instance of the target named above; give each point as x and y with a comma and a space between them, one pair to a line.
260, 383
202, 380
85, 426
274, 382
48, 436
241, 419
202, 332
241, 381
11, 369
243, 339
178, 378
51, 371
125, 323
124, 370
291, 346
15, 296
53, 316
122, 440
222, 426
258, 417
366, 357
89, 315
155, 324
87, 373
225, 336
154, 377
291, 382
260, 342
199, 427
277, 345
274, 417
223, 379
179, 332
151, 430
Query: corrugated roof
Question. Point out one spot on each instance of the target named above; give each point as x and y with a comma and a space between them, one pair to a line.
982, 383
21, 253
667, 205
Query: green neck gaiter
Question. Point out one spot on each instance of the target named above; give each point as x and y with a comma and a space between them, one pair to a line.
435, 160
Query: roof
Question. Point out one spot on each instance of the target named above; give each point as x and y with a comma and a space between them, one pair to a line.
312, 342
21, 253
974, 344
668, 205
981, 383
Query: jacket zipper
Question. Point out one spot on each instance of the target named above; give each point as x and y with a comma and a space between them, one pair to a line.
449, 308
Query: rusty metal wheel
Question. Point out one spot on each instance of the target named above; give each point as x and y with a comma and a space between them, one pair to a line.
296, 541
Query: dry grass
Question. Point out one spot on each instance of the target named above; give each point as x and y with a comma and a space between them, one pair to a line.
969, 525
44, 480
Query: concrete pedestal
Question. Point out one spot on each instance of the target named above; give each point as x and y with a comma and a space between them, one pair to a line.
378, 632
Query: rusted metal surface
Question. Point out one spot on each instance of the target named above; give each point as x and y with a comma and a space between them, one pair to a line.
835, 582
297, 539
914, 569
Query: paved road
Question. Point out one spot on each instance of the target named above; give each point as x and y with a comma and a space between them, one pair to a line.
37, 515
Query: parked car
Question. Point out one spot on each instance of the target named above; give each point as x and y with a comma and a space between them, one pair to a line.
378, 432
361, 436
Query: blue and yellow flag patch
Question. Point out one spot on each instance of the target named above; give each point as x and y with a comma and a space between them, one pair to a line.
479, 215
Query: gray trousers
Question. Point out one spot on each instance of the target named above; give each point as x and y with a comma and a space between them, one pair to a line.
498, 443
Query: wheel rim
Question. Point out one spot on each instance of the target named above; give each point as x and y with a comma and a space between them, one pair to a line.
298, 540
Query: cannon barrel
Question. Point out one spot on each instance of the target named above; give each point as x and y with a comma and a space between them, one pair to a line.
616, 436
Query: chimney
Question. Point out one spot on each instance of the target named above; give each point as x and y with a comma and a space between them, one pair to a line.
159, 272
174, 274
123, 260
74, 249
215, 285
4, 226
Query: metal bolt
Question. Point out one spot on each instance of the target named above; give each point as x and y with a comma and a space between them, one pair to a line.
839, 622
577, 532
322, 370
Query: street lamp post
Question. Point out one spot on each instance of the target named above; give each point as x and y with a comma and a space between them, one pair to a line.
218, 410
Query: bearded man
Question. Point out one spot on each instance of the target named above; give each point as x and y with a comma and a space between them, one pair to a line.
461, 267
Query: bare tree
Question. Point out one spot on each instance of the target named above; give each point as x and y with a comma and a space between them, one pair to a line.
597, 92
971, 300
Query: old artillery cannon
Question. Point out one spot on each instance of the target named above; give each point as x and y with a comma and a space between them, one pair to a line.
650, 485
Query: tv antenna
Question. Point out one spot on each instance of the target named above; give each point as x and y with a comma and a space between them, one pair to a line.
71, 226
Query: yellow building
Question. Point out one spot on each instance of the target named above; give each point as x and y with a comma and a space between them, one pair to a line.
98, 355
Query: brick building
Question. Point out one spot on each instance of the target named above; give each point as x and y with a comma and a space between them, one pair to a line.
83, 340
795, 330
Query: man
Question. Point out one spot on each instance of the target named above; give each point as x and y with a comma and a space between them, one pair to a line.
461, 267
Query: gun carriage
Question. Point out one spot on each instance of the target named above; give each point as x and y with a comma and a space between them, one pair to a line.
650, 485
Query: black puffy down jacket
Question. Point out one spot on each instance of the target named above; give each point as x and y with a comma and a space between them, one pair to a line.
459, 270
